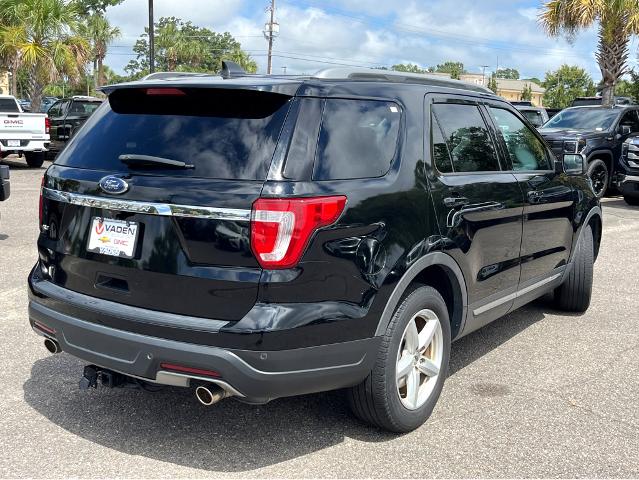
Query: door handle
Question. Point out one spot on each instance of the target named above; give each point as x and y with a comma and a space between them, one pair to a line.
455, 216
455, 202
535, 196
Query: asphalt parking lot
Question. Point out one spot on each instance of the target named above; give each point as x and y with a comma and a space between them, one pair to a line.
537, 393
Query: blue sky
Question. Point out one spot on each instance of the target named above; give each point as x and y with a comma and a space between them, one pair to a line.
316, 33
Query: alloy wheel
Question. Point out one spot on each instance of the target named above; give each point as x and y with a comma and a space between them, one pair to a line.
599, 177
419, 359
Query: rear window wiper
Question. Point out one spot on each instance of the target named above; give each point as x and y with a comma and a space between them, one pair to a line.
150, 161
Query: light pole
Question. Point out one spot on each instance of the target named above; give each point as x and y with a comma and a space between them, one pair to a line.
151, 39
271, 30
483, 74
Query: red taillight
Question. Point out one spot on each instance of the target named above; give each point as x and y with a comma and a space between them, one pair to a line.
194, 371
164, 91
282, 227
47, 125
41, 206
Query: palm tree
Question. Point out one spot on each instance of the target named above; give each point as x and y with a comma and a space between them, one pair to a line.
100, 34
617, 21
41, 38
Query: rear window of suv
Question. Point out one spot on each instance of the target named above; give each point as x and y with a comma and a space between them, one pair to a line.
223, 133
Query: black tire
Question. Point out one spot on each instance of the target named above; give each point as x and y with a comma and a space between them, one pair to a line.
600, 176
574, 294
34, 159
376, 400
634, 201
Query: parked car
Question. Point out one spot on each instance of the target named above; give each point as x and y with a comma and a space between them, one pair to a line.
537, 116
629, 172
5, 184
552, 112
589, 101
259, 237
67, 116
596, 132
46, 103
25, 104
22, 133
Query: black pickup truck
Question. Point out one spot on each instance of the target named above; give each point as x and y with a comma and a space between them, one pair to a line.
4, 182
597, 132
67, 116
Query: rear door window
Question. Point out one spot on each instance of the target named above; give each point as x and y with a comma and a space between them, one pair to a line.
357, 139
467, 137
226, 134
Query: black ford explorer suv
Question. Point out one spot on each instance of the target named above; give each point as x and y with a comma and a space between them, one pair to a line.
599, 134
258, 237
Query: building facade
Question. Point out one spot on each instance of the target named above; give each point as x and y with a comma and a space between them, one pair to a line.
511, 90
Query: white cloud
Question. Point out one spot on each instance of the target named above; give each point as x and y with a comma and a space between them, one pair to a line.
369, 32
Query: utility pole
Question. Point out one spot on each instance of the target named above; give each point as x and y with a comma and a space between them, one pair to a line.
271, 30
483, 74
151, 39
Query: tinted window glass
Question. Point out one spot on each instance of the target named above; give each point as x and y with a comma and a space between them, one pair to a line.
83, 108
357, 139
526, 151
599, 119
8, 105
467, 137
54, 111
631, 120
229, 134
534, 117
441, 155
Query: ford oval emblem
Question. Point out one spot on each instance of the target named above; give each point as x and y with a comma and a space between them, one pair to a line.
113, 185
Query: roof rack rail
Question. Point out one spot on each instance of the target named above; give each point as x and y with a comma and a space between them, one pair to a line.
348, 73
166, 75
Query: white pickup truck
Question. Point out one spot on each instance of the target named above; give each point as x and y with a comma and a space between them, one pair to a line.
22, 133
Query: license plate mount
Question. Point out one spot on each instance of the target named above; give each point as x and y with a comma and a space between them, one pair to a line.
116, 238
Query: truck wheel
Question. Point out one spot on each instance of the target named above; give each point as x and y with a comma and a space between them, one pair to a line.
574, 294
402, 389
34, 159
634, 201
598, 173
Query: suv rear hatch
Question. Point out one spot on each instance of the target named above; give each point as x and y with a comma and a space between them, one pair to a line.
167, 237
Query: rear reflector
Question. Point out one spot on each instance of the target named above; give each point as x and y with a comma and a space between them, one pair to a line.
44, 328
281, 228
194, 371
164, 91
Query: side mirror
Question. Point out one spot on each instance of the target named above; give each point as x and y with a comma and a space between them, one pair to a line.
574, 164
625, 130
4, 183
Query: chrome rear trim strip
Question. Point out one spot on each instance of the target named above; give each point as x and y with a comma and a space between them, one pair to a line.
149, 208
631, 178
517, 294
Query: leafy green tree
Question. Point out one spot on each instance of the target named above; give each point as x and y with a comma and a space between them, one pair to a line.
565, 84
492, 83
509, 73
182, 46
409, 68
526, 94
533, 80
89, 7
629, 87
40, 35
455, 69
99, 33
617, 21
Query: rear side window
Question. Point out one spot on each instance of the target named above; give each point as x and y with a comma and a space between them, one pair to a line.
465, 133
357, 139
226, 134
8, 105
83, 108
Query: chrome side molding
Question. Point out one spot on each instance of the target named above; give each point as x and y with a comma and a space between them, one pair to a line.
148, 208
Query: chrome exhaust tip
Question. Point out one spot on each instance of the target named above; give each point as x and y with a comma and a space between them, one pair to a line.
209, 394
52, 345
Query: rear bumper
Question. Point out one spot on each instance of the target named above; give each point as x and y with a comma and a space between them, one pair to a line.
29, 146
257, 376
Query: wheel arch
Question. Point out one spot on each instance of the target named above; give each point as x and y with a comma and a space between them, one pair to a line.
594, 219
441, 272
604, 155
